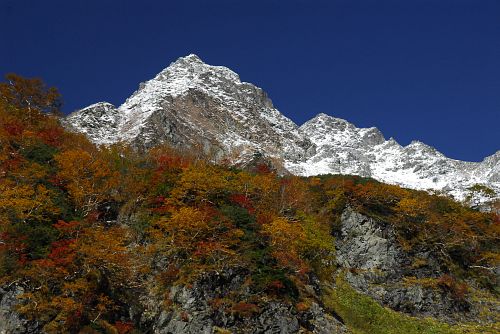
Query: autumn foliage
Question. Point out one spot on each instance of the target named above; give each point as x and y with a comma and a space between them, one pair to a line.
83, 227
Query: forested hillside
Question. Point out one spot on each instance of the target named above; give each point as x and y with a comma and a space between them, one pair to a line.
111, 240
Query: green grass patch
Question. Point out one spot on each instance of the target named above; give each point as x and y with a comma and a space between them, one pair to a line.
363, 315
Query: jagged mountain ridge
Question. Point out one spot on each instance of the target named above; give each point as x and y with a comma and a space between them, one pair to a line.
192, 103
345, 149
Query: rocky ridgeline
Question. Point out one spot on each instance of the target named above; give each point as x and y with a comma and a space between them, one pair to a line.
194, 105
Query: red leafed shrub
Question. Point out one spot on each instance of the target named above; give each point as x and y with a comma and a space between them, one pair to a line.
184, 316
14, 128
159, 205
264, 218
13, 163
242, 201
457, 289
74, 320
124, 327
217, 303
56, 181
302, 307
171, 162
67, 228
276, 285
61, 252
14, 245
170, 275
207, 249
209, 211
245, 310
93, 216
263, 169
159, 200
52, 136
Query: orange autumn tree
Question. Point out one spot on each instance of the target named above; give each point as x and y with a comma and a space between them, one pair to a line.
88, 178
199, 236
29, 98
29, 202
201, 184
294, 195
286, 238
81, 280
26, 202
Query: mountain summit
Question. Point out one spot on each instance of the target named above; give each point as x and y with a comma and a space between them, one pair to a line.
191, 103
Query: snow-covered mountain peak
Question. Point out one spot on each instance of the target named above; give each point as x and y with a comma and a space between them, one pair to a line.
392, 143
419, 144
343, 148
99, 121
323, 121
494, 158
186, 73
190, 58
193, 104
191, 68
187, 76
100, 105
417, 147
329, 130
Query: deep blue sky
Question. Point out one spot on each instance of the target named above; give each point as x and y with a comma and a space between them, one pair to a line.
416, 69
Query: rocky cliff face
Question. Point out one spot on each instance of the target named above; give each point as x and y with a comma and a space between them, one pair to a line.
192, 104
196, 312
376, 265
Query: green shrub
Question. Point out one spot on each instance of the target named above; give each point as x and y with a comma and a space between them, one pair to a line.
40, 153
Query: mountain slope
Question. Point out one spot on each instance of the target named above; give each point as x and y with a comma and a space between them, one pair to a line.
192, 104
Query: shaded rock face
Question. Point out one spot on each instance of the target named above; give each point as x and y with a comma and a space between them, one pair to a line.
376, 265
10, 321
319, 322
193, 312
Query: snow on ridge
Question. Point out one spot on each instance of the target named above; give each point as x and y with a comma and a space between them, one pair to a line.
248, 122
345, 149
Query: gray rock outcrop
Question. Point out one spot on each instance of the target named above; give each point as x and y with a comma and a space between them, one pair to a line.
368, 245
10, 320
376, 265
192, 311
